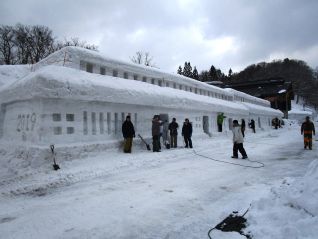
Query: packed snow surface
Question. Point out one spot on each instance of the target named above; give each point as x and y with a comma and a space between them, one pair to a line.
172, 194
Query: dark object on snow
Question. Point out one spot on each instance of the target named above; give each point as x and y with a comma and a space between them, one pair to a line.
232, 223
147, 145
55, 166
167, 145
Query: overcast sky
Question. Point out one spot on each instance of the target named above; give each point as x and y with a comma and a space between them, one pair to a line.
225, 33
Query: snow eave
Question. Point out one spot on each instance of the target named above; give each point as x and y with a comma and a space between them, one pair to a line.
247, 96
263, 110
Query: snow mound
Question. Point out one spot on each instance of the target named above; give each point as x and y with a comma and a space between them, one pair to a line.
290, 211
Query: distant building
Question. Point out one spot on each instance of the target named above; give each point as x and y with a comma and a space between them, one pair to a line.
276, 90
216, 83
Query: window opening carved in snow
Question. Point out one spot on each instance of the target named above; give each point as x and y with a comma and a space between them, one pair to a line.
101, 123
85, 129
102, 71
56, 117
116, 123
57, 130
89, 67
70, 130
109, 123
93, 123
69, 117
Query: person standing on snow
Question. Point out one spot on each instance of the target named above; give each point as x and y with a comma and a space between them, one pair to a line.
187, 133
238, 141
276, 120
252, 125
243, 127
128, 134
220, 120
173, 127
165, 129
307, 128
156, 123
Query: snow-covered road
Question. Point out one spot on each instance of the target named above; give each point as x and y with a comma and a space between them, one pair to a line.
172, 194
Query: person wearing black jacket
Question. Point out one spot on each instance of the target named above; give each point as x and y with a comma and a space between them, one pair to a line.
307, 129
252, 125
173, 127
243, 127
128, 134
187, 133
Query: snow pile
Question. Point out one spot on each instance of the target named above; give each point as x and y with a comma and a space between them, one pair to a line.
291, 210
299, 112
11, 73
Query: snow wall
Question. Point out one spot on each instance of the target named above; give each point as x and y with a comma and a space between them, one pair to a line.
57, 103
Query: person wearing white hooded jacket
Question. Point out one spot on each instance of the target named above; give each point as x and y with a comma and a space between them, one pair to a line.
238, 141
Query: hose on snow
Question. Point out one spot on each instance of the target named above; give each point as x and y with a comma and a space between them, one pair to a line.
233, 222
261, 165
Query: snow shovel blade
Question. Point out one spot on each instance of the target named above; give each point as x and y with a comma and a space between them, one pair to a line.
147, 145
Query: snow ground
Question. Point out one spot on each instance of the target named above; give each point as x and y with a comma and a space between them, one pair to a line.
172, 194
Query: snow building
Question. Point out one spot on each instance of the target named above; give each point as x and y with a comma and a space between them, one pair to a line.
77, 96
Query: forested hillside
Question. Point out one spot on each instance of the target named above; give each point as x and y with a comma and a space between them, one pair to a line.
303, 78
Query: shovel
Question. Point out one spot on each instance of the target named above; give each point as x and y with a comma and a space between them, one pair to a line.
55, 166
147, 145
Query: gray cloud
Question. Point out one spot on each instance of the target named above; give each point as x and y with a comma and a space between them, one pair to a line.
223, 33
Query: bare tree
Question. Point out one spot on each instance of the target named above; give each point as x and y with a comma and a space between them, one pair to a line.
148, 59
75, 41
40, 42
138, 58
33, 43
23, 52
25, 44
7, 45
143, 58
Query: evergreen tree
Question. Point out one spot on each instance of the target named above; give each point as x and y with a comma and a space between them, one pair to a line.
180, 70
187, 69
219, 75
204, 76
195, 74
230, 73
212, 74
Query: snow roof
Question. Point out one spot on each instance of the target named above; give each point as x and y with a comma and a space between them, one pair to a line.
11, 73
257, 109
67, 83
70, 54
300, 112
247, 96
